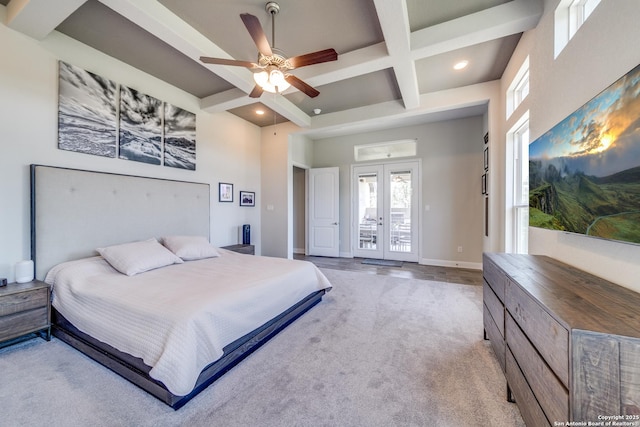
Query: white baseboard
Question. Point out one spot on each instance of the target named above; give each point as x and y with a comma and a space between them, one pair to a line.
346, 255
299, 251
457, 264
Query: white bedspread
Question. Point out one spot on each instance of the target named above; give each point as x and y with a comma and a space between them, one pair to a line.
179, 318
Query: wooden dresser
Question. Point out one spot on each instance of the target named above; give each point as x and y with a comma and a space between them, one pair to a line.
24, 309
568, 342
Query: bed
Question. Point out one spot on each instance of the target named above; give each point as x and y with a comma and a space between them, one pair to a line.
172, 351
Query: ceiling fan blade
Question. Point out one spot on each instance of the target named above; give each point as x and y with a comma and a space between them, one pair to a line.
257, 34
313, 58
222, 61
301, 86
256, 92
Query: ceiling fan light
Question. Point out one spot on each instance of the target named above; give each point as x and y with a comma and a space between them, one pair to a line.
261, 78
271, 81
276, 78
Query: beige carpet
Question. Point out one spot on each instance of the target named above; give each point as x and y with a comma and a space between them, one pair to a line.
378, 351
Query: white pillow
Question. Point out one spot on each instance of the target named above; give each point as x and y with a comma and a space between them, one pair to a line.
190, 248
137, 257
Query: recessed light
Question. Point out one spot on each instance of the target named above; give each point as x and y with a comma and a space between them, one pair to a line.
260, 112
460, 65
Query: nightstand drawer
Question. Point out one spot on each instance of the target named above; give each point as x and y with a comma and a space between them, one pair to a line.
22, 301
24, 322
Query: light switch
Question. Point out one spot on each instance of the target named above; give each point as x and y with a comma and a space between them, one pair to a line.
269, 207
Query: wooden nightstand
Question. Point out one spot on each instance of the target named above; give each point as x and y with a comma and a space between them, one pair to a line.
242, 249
24, 309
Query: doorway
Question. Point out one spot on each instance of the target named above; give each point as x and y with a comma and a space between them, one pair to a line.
386, 214
299, 210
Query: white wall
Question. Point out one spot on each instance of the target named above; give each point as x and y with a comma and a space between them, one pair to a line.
602, 51
451, 154
277, 190
301, 150
228, 148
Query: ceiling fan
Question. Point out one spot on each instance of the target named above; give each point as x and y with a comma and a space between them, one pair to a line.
271, 72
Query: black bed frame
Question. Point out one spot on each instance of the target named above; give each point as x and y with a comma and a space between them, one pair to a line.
136, 371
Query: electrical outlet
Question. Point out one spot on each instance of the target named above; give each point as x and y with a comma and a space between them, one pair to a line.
459, 248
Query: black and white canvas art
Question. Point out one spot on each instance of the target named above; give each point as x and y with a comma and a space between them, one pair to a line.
87, 117
179, 138
140, 127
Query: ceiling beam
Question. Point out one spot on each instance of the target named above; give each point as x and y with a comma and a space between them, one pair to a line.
390, 114
351, 64
504, 20
394, 20
38, 18
234, 98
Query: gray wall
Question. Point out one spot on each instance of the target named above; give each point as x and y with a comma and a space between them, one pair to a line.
452, 164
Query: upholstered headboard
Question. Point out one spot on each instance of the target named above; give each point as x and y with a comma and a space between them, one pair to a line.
73, 212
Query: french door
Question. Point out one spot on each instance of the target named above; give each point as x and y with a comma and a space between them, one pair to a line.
386, 222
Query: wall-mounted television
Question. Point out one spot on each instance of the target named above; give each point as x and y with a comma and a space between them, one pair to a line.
584, 174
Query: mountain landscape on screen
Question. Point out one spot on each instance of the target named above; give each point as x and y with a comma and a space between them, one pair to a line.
584, 174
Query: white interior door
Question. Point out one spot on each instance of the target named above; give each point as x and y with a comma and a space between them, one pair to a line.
386, 211
324, 212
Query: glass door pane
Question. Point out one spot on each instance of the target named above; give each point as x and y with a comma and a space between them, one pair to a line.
367, 211
400, 233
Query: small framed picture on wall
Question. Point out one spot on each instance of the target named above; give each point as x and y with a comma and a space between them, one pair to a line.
486, 159
225, 192
247, 198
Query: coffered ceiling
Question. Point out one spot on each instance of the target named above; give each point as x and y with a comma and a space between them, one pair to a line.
392, 54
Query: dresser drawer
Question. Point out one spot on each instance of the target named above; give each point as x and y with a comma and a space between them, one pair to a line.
15, 325
548, 336
22, 301
496, 309
530, 410
495, 337
494, 277
552, 396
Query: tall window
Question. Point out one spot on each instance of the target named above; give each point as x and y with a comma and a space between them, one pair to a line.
521, 188
569, 17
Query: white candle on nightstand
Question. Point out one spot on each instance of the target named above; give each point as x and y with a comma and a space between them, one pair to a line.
24, 271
